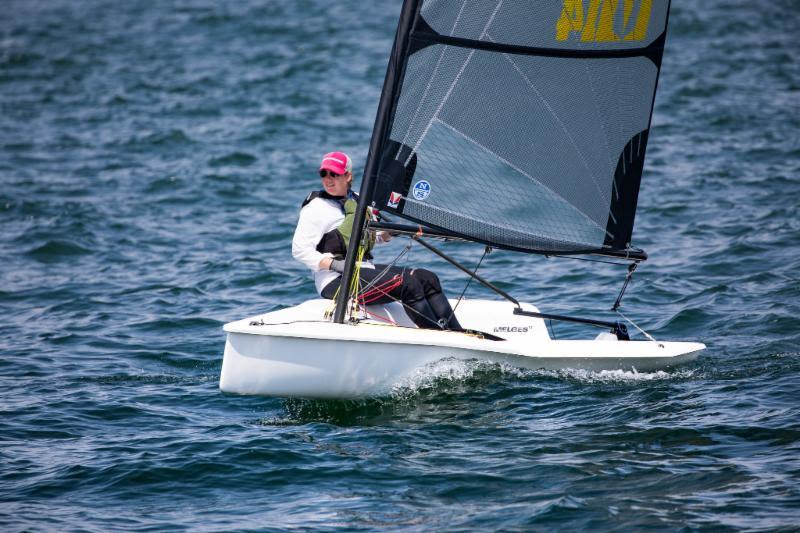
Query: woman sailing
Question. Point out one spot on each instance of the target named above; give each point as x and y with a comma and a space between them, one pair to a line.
320, 243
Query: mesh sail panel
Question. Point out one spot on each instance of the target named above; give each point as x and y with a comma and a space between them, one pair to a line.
524, 124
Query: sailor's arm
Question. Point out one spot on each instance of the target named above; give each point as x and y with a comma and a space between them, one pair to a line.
306, 236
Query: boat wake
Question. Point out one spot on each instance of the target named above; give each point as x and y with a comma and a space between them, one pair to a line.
452, 375
451, 378
616, 376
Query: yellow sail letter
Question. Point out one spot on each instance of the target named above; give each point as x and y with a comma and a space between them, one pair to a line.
639, 32
605, 21
571, 19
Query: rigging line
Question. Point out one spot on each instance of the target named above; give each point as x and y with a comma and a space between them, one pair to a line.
378, 280
631, 270
632, 323
262, 323
469, 281
428, 87
379, 289
409, 308
464, 269
407, 251
385, 270
384, 318
555, 116
372, 295
352, 298
370, 284
405, 306
588, 260
455, 80
550, 327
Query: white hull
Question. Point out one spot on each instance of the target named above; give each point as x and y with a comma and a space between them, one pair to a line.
295, 352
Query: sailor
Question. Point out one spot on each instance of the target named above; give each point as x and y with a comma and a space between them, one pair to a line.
320, 243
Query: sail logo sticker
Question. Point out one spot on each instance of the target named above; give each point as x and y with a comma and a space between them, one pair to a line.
394, 199
605, 20
422, 190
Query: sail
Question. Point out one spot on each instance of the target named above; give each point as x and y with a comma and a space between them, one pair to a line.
520, 124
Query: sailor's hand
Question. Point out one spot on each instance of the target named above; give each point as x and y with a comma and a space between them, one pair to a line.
337, 265
385, 236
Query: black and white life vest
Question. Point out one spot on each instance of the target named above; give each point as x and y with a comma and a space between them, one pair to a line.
337, 240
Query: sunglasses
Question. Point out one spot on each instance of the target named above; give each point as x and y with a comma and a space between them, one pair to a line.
326, 173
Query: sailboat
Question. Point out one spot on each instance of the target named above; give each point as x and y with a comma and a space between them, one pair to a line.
520, 126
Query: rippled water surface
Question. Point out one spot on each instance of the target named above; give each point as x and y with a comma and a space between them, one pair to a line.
152, 159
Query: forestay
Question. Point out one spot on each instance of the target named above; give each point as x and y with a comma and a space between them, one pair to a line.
521, 124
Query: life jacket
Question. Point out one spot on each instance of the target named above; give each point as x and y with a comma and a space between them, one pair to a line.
337, 240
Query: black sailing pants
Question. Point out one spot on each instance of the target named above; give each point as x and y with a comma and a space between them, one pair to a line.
417, 288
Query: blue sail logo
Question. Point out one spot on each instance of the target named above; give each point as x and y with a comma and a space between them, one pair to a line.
597, 22
422, 189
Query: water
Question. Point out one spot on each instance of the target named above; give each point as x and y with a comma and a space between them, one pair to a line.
153, 156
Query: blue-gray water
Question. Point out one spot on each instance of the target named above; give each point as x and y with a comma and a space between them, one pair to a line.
152, 159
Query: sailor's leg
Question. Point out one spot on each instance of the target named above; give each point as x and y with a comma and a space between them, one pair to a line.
384, 284
395, 284
436, 298
329, 290
444, 311
378, 285
422, 315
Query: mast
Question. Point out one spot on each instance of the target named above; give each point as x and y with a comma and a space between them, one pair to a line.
391, 84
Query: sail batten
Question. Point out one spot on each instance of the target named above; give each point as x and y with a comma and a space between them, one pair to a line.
522, 124
424, 39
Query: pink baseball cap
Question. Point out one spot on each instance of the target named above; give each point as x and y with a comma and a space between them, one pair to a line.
338, 162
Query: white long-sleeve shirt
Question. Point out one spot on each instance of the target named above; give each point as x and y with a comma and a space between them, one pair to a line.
317, 218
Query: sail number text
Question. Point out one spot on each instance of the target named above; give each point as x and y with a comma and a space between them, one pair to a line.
604, 20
